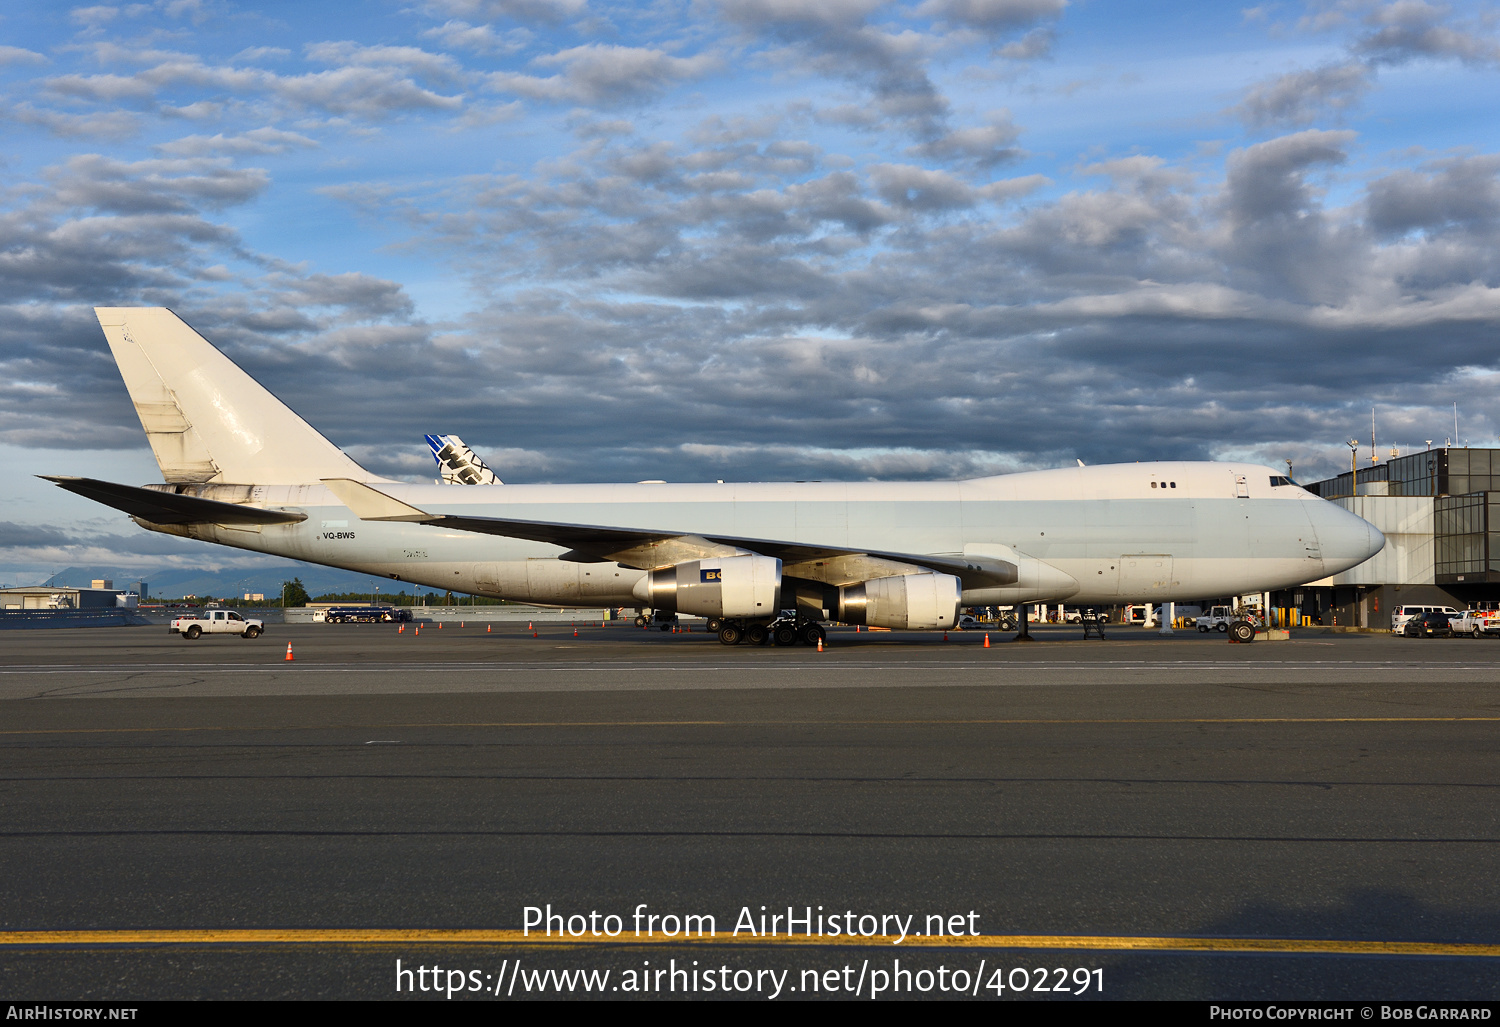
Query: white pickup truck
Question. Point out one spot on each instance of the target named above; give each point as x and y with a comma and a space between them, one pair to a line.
220, 622
1476, 623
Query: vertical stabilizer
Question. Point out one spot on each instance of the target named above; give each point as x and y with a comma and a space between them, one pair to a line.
458, 464
207, 420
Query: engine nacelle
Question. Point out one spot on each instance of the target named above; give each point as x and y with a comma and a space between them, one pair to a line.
733, 586
906, 601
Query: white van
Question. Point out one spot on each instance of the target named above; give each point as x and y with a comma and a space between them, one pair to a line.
1401, 614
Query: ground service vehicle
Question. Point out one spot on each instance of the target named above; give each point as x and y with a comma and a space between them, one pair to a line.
1218, 618
1432, 624
1401, 614
217, 622
1477, 623
365, 614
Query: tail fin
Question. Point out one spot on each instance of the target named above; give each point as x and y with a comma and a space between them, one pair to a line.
207, 420
458, 464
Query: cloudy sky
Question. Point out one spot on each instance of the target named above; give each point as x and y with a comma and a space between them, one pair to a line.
749, 239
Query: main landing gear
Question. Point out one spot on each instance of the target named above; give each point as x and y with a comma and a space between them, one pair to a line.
787, 630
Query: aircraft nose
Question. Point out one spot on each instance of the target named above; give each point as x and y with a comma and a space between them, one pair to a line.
1346, 540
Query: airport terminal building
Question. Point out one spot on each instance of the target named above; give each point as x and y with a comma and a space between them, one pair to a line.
1440, 512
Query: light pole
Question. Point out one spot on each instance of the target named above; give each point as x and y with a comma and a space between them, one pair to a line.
1354, 467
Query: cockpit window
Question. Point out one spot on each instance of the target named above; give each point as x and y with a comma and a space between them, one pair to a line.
1281, 479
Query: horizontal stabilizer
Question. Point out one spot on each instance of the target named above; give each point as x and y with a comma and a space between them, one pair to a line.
167, 508
371, 504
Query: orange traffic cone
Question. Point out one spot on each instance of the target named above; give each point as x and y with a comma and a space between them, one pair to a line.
487, 629
440, 627
575, 632
945, 636
534, 634
418, 631
401, 630
289, 655
529, 627
820, 643
986, 639
460, 623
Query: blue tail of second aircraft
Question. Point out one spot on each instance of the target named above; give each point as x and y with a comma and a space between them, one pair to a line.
458, 464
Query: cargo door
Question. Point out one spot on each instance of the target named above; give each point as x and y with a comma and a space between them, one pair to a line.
1146, 576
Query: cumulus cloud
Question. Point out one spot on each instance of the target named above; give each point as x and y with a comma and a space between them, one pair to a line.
839, 41
411, 59
13, 535
603, 74
1407, 30
1389, 32
481, 39
708, 300
1455, 194
546, 11
371, 83
842, 278
993, 15
98, 124
1300, 97
982, 145
18, 55
257, 141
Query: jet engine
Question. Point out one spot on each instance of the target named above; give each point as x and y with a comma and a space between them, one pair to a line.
733, 586
907, 601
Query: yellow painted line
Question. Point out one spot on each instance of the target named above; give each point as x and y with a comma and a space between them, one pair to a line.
763, 723
403, 936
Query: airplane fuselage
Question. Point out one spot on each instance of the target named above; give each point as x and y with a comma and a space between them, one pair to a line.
1114, 533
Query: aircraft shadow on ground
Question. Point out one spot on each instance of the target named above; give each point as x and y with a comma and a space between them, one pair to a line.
1359, 914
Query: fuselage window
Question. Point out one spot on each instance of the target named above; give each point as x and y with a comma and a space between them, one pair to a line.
1153, 484
1174, 484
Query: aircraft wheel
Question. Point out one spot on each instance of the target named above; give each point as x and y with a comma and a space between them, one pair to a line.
785, 635
756, 634
812, 634
715, 623
730, 634
1243, 631
192, 632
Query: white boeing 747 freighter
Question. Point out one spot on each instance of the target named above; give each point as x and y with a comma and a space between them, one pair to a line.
241, 469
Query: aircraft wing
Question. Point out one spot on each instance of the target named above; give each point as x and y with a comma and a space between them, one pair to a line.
651, 550
168, 508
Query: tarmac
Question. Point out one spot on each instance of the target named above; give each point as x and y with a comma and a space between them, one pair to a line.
1166, 817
